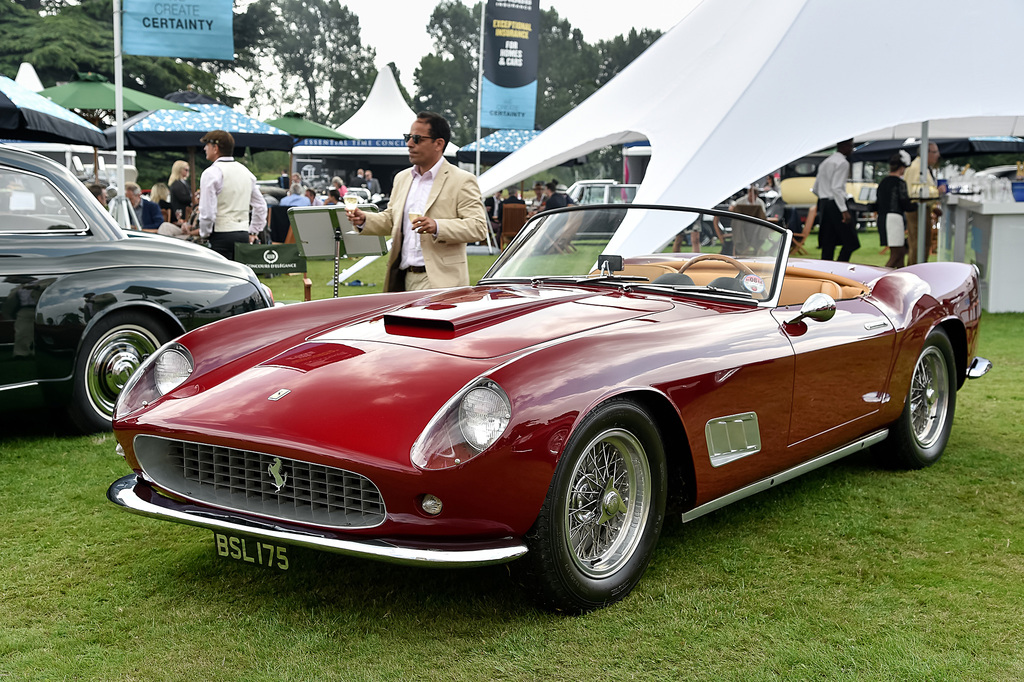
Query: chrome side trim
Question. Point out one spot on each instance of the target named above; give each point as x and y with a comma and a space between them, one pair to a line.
25, 384
123, 494
732, 438
979, 368
772, 481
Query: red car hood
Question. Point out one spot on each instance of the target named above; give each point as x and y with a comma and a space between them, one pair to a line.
373, 385
483, 323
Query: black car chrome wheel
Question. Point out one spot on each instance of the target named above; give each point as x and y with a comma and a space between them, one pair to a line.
109, 355
601, 519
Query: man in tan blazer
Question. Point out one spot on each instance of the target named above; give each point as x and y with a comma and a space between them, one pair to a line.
434, 211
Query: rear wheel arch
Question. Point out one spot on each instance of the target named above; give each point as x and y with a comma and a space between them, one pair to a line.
145, 310
957, 334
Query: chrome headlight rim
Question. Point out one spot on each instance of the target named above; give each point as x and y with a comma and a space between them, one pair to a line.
448, 421
141, 389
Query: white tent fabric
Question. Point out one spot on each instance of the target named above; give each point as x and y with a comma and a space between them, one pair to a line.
28, 77
972, 126
378, 125
740, 87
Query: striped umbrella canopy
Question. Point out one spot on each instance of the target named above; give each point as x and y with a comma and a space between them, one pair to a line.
25, 115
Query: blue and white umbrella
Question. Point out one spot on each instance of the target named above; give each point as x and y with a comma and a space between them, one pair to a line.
183, 129
25, 115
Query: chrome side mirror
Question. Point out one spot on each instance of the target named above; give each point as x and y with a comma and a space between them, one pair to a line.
818, 307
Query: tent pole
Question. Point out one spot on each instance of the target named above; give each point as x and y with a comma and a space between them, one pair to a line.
922, 211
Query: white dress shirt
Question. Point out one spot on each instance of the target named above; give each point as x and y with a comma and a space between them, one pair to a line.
419, 192
831, 180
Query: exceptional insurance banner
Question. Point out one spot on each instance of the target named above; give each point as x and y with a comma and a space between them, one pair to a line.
190, 29
511, 40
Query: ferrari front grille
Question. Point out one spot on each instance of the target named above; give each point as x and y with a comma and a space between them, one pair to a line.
258, 483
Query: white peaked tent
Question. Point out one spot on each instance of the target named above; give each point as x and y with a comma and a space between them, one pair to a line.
28, 77
377, 127
740, 87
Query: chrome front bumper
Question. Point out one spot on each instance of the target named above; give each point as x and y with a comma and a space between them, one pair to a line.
129, 493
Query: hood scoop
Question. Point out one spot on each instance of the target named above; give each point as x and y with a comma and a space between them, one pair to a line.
452, 315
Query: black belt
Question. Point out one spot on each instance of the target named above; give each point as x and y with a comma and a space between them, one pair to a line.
417, 269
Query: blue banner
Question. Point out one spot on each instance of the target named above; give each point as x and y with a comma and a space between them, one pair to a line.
511, 46
189, 29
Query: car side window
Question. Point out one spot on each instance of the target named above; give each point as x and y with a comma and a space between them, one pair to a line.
29, 203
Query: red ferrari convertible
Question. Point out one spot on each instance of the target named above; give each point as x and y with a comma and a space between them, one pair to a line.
552, 413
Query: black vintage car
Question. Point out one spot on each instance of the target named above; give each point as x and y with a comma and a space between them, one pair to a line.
82, 302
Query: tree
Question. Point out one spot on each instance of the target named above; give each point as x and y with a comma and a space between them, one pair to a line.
567, 72
315, 46
81, 38
446, 80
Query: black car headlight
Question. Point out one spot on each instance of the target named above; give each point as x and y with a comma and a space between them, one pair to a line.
160, 374
467, 425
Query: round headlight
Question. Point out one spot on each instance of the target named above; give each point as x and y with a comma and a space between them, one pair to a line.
171, 369
483, 415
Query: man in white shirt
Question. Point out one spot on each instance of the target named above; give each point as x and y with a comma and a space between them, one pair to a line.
434, 211
913, 178
837, 225
227, 192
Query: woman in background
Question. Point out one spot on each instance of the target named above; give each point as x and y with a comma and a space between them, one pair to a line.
181, 194
892, 202
160, 194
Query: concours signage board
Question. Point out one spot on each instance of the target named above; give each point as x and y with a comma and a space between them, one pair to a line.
269, 259
511, 42
190, 29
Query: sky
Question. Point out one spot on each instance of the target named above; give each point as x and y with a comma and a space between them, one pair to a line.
397, 29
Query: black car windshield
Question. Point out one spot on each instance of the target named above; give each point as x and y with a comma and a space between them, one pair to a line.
603, 244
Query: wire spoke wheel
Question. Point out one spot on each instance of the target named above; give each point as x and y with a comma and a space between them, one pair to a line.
608, 504
929, 396
918, 438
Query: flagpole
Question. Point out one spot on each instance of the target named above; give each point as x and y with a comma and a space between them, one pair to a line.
121, 199
480, 83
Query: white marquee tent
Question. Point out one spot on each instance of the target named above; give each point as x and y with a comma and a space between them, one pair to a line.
376, 128
740, 87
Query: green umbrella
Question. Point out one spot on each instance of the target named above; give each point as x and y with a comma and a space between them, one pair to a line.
94, 92
93, 95
300, 128
297, 126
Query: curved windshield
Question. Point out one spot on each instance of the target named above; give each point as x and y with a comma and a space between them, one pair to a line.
740, 258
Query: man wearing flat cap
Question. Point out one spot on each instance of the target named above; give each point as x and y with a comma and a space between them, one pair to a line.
227, 192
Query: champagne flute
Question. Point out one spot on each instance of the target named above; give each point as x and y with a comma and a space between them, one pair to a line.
415, 213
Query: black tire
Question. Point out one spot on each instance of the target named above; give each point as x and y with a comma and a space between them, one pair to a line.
109, 354
596, 533
920, 435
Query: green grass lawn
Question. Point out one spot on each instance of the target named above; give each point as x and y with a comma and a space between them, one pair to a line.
852, 572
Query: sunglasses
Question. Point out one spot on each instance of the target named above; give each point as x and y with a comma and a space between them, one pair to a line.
416, 139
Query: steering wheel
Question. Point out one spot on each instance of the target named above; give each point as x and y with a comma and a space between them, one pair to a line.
717, 256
